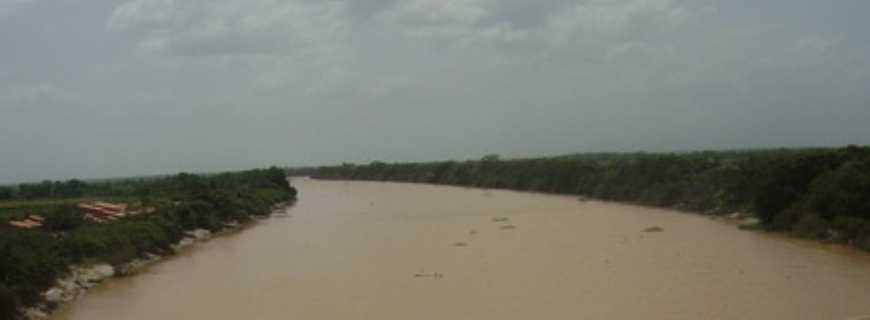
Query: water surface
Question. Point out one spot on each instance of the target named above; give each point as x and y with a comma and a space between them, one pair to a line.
388, 251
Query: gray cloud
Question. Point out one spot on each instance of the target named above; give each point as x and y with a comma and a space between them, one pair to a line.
7, 6
152, 86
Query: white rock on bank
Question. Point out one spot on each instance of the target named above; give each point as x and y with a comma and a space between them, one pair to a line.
192, 237
199, 234
98, 272
90, 276
54, 295
138, 264
35, 314
66, 290
79, 279
184, 243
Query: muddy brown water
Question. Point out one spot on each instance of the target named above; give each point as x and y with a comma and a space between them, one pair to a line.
389, 251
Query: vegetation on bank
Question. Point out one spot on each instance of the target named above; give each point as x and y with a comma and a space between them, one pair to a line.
31, 260
812, 193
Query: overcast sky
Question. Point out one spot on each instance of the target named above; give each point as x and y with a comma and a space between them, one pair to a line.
103, 88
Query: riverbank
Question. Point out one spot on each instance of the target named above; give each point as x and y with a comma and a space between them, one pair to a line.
45, 266
821, 194
80, 279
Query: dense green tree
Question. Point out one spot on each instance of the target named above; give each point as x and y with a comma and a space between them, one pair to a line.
36, 190
819, 193
6, 193
63, 218
9, 304
69, 189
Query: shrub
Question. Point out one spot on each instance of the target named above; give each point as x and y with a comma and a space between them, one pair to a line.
9, 305
63, 218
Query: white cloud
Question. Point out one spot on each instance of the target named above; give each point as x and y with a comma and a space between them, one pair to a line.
438, 13
275, 44
815, 44
225, 27
554, 29
24, 97
142, 14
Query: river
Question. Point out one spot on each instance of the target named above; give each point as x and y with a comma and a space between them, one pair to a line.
391, 251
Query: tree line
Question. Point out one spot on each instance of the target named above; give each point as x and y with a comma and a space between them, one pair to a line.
813, 193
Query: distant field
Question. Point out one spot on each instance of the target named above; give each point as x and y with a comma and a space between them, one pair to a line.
12, 209
15, 208
38, 203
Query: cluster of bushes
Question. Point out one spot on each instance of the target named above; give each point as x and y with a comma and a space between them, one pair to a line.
824, 195
818, 193
31, 260
46, 189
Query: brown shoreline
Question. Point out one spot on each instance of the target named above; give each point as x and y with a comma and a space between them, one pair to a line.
47, 308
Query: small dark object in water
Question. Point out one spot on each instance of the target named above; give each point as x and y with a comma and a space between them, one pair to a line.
435, 275
460, 244
654, 229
